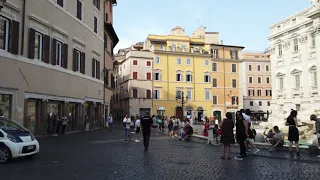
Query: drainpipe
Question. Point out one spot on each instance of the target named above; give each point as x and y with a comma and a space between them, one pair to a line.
23, 25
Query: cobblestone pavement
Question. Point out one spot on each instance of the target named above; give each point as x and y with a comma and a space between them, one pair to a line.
102, 155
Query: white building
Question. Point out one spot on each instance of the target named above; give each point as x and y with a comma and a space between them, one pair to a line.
295, 61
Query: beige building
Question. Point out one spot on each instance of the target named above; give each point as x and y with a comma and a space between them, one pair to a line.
257, 85
52, 62
133, 70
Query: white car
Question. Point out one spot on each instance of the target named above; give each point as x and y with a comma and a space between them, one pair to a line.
16, 141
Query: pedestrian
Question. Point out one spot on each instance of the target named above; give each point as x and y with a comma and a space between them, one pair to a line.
126, 127
137, 128
146, 124
170, 127
227, 136
64, 122
293, 134
241, 134
317, 125
110, 121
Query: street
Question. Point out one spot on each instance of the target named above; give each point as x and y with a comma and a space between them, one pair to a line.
102, 155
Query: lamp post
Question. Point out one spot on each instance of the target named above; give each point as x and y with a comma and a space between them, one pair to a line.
2, 4
182, 101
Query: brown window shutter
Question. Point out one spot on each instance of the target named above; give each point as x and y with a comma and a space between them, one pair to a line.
83, 63
53, 57
93, 68
98, 70
217, 55
75, 62
32, 35
64, 56
46, 49
14, 37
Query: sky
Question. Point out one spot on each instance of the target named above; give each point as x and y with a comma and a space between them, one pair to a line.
239, 22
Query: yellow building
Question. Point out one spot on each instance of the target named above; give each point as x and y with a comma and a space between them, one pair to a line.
186, 64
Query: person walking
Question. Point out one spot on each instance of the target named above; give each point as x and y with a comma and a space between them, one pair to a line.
110, 121
241, 134
64, 122
293, 135
317, 125
227, 136
137, 128
146, 124
126, 127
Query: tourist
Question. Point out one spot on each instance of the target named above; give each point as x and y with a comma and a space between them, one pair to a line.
64, 122
269, 136
137, 129
146, 124
293, 135
227, 137
170, 127
175, 126
206, 127
126, 127
163, 123
277, 140
246, 114
159, 121
110, 120
317, 125
188, 131
241, 134
154, 124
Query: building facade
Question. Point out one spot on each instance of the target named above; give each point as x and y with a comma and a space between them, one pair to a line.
257, 86
186, 64
52, 58
295, 63
133, 72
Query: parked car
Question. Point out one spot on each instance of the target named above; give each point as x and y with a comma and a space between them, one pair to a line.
16, 141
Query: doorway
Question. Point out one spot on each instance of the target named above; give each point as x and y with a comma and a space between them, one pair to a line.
179, 112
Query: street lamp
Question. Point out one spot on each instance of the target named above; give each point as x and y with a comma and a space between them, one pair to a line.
183, 100
2, 4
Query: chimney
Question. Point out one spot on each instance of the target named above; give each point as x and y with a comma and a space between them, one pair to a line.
221, 42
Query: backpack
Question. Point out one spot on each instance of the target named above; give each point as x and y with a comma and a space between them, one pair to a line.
170, 123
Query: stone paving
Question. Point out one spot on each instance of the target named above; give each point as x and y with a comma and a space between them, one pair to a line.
102, 155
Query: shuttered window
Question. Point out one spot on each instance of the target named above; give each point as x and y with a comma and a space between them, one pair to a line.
9, 35
78, 64
96, 3
39, 46
214, 82
59, 53
95, 68
148, 94
95, 24
135, 75
135, 93
79, 9
148, 76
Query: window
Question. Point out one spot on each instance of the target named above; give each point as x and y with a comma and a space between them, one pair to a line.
268, 103
95, 68
206, 62
134, 92
207, 94
214, 67
215, 99
268, 80
260, 103
178, 94
258, 67
250, 79
259, 92
183, 48
215, 53
235, 100
234, 68
268, 92
148, 94
95, 24
135, 75
189, 94
279, 49
214, 82
58, 53
60, 2
295, 45
157, 76
297, 81
148, 63
251, 92
4, 33
250, 67
77, 61
234, 83
178, 60
79, 9
188, 61
189, 77
162, 47
281, 83
179, 77
174, 47
156, 94
148, 76
157, 60
234, 54
135, 62
251, 103
259, 80
96, 3
206, 78
314, 78
267, 68
38, 49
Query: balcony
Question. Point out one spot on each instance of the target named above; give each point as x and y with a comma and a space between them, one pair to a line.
314, 91
297, 91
